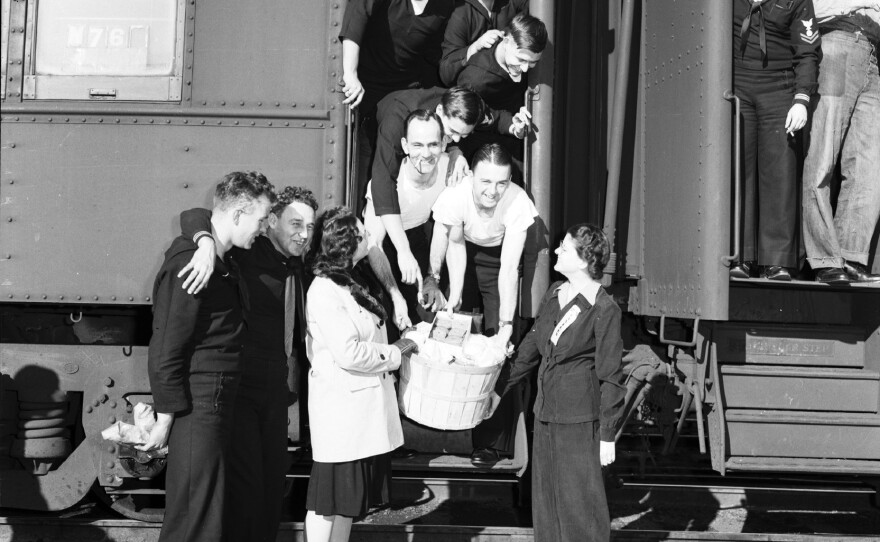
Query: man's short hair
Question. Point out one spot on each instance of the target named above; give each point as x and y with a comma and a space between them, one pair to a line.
528, 33
464, 104
238, 186
423, 115
291, 194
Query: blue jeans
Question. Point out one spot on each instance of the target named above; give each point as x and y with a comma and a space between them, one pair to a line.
846, 123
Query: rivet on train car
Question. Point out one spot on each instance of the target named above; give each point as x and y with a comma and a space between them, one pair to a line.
11, 181
116, 121
135, 121
270, 123
333, 126
49, 119
186, 121
186, 149
202, 122
335, 6
100, 120
332, 106
27, 296
9, 296
293, 104
335, 23
78, 297
330, 161
12, 145
188, 83
45, 296
9, 256
96, 402
223, 103
287, 124
186, 185
112, 298
329, 176
83, 119
259, 104
167, 121
334, 58
253, 123
146, 298
112, 404
190, 34
33, 119
9, 219
109, 464
103, 397
320, 125
303, 125
219, 122
277, 104
204, 102
236, 123
189, 51
95, 297
329, 196
109, 478
111, 419
130, 298
312, 106
331, 141
89, 409
151, 121
60, 297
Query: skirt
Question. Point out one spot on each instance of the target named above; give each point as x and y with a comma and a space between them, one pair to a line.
350, 488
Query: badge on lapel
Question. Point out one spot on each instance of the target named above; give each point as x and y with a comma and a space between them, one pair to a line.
565, 323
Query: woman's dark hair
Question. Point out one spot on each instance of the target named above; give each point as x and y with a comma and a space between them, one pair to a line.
336, 241
492, 153
423, 115
592, 247
464, 104
528, 33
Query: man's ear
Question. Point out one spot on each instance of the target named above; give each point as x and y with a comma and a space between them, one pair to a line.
403, 145
439, 110
273, 220
236, 215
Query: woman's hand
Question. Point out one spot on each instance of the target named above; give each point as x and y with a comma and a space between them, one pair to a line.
796, 119
484, 42
200, 267
353, 90
606, 453
159, 433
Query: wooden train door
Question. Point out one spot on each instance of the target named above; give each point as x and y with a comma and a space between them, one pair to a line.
685, 144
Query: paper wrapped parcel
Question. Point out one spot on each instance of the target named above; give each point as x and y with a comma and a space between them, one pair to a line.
137, 434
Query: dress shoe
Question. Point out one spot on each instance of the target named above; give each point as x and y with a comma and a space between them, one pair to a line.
776, 272
742, 270
832, 275
859, 273
485, 457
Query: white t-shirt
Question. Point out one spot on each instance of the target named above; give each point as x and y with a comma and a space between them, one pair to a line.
416, 202
456, 207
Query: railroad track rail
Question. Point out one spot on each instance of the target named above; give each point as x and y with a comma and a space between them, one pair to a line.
24, 529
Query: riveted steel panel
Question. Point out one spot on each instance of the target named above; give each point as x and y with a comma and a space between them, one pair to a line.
687, 158
88, 209
265, 54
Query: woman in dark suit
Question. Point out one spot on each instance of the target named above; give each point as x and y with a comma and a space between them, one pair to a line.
575, 344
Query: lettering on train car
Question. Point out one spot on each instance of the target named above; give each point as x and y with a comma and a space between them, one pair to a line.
788, 347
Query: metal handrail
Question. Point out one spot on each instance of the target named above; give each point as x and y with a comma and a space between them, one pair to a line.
737, 181
351, 129
686, 344
530, 94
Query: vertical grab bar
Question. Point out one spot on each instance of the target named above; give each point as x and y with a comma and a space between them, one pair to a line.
351, 129
737, 182
527, 149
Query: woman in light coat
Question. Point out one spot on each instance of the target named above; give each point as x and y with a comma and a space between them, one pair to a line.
352, 403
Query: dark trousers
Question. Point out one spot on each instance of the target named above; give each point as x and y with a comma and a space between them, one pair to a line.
480, 292
198, 454
770, 162
568, 495
420, 245
258, 458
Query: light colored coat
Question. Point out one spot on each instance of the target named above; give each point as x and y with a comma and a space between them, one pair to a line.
352, 404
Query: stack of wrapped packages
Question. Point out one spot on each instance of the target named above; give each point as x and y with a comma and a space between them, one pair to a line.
448, 383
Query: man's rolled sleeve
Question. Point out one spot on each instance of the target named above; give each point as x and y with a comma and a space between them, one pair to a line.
389, 155
194, 222
354, 22
609, 352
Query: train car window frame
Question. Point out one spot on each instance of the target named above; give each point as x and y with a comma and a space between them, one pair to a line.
164, 87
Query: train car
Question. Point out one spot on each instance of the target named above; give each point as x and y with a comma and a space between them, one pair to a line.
117, 116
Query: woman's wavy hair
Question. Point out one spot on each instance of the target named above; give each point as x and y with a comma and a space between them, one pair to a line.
592, 247
334, 245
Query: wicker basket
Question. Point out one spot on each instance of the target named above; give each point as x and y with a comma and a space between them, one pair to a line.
451, 397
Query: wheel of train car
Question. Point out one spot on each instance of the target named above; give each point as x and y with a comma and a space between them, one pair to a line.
133, 505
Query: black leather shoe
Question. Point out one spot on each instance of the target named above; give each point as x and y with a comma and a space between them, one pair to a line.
485, 457
776, 272
403, 453
859, 273
832, 275
743, 270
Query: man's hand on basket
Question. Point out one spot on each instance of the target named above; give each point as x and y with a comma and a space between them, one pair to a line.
494, 401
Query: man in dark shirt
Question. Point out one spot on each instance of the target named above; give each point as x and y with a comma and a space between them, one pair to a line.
194, 365
845, 128
474, 25
274, 294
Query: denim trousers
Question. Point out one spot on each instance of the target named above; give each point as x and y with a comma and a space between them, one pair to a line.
258, 459
770, 155
198, 449
846, 124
